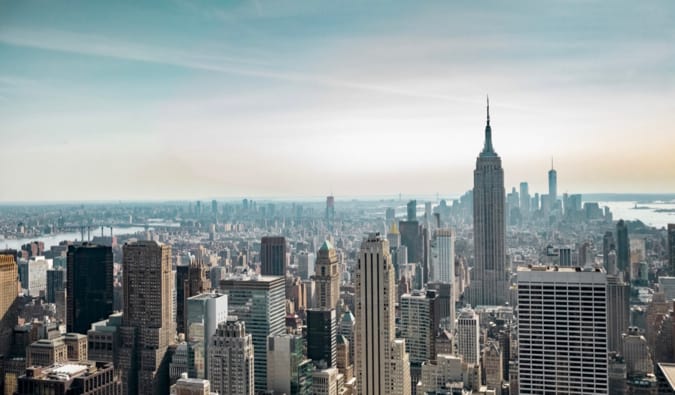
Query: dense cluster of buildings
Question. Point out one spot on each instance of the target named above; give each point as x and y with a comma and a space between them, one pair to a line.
493, 294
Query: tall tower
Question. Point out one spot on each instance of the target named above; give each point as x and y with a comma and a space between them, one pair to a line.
330, 212
553, 303
468, 336
623, 249
9, 291
552, 186
259, 301
273, 256
231, 359
147, 326
89, 294
524, 198
671, 249
327, 277
489, 282
375, 327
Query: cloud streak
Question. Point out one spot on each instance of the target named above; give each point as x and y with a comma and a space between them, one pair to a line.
96, 46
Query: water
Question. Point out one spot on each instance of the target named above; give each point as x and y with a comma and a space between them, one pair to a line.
52, 240
646, 212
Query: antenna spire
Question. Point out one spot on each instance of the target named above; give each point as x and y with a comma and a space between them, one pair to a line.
488, 109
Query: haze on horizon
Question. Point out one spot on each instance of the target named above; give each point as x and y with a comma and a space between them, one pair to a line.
184, 99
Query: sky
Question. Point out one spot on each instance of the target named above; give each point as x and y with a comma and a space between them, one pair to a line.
127, 100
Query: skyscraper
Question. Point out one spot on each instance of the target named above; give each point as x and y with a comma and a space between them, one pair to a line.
259, 301
289, 372
524, 198
9, 291
231, 359
327, 277
418, 328
618, 310
623, 249
375, 326
565, 307
412, 210
147, 326
89, 289
489, 280
273, 256
671, 249
443, 256
552, 186
204, 313
322, 337
330, 212
607, 246
468, 336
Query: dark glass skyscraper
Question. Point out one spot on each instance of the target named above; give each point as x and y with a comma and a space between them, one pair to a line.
89, 289
322, 337
623, 249
273, 256
489, 281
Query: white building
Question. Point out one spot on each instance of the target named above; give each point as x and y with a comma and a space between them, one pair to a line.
562, 330
204, 313
327, 382
417, 324
468, 336
443, 256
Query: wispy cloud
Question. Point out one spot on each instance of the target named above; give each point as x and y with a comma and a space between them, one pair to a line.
99, 46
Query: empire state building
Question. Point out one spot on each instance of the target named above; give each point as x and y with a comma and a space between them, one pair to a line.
489, 279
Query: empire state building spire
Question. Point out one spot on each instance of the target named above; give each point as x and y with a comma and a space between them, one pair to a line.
487, 147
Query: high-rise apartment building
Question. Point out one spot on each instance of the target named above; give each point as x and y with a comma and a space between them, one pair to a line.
273, 256
565, 308
147, 325
259, 301
327, 277
9, 286
191, 280
89, 289
378, 352
418, 311
56, 282
489, 281
468, 336
231, 362
443, 256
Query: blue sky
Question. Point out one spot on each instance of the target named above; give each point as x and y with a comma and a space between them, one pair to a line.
187, 99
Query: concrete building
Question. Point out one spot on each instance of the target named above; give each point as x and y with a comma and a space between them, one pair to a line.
147, 324
443, 256
489, 282
378, 352
418, 311
191, 386
327, 277
204, 313
618, 310
259, 301
327, 382
9, 291
492, 363
636, 354
577, 326
288, 371
445, 373
70, 379
89, 294
468, 336
33, 275
231, 361
76, 345
103, 341
47, 352
306, 262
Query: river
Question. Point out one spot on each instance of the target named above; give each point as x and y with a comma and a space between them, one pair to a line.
52, 240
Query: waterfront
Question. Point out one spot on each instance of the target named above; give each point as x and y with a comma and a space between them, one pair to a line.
52, 240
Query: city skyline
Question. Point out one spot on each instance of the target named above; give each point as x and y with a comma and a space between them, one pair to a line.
183, 100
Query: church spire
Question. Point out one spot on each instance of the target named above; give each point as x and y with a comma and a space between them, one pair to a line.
487, 147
